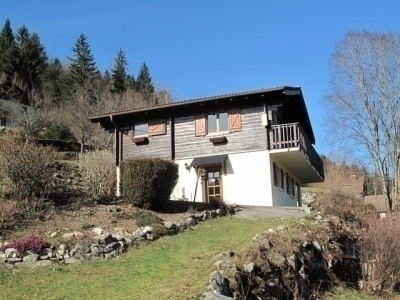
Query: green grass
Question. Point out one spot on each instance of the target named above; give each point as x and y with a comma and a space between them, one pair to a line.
174, 267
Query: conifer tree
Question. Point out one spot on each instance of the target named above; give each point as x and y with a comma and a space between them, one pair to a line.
83, 70
30, 59
119, 71
144, 83
7, 51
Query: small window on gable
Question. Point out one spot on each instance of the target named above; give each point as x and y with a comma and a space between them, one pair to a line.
141, 129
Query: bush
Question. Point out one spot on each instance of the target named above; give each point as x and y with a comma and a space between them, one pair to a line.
25, 168
148, 182
380, 254
34, 244
59, 132
98, 170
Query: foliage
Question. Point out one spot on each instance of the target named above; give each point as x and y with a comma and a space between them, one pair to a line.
7, 50
363, 102
343, 205
59, 132
30, 59
82, 70
144, 83
25, 168
146, 218
118, 73
148, 182
98, 171
380, 254
23, 245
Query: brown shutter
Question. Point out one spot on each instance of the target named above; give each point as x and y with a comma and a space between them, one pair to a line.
200, 125
157, 127
235, 120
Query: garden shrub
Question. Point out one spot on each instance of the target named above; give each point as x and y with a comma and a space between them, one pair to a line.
148, 182
25, 168
23, 245
59, 132
98, 170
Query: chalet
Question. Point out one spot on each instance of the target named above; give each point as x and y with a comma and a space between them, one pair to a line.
248, 148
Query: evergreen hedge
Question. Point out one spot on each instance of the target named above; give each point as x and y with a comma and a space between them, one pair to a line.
148, 182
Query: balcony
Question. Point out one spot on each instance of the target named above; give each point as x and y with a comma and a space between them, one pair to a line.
290, 147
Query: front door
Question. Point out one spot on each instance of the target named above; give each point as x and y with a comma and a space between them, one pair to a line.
213, 186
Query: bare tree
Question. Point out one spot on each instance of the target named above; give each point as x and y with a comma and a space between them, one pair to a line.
363, 104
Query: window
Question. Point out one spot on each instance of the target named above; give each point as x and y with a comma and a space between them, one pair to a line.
218, 122
289, 185
141, 129
276, 182
152, 128
282, 182
279, 177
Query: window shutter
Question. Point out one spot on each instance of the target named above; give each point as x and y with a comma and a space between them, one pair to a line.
157, 127
235, 120
200, 125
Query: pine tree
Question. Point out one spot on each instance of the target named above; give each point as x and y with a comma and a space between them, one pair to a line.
130, 79
119, 72
7, 51
144, 83
83, 70
30, 59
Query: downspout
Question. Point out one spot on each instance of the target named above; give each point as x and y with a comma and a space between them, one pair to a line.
118, 158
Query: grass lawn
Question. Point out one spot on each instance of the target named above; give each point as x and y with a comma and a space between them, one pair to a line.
174, 267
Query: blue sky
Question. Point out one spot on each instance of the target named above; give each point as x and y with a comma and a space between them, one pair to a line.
204, 48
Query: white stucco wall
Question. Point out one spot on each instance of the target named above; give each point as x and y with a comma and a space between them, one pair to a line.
247, 180
280, 196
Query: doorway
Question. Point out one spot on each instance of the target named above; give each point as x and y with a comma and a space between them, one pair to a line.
213, 185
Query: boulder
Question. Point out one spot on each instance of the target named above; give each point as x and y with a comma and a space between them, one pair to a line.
98, 230
30, 258
218, 284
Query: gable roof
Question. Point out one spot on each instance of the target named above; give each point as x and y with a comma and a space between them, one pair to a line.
269, 96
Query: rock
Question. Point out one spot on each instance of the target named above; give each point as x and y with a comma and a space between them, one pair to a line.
214, 296
114, 209
191, 221
13, 259
308, 198
317, 245
265, 244
271, 230
70, 260
149, 236
147, 229
169, 225
11, 252
30, 258
218, 284
53, 234
249, 268
138, 233
63, 247
105, 238
220, 212
98, 231
213, 214
112, 254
